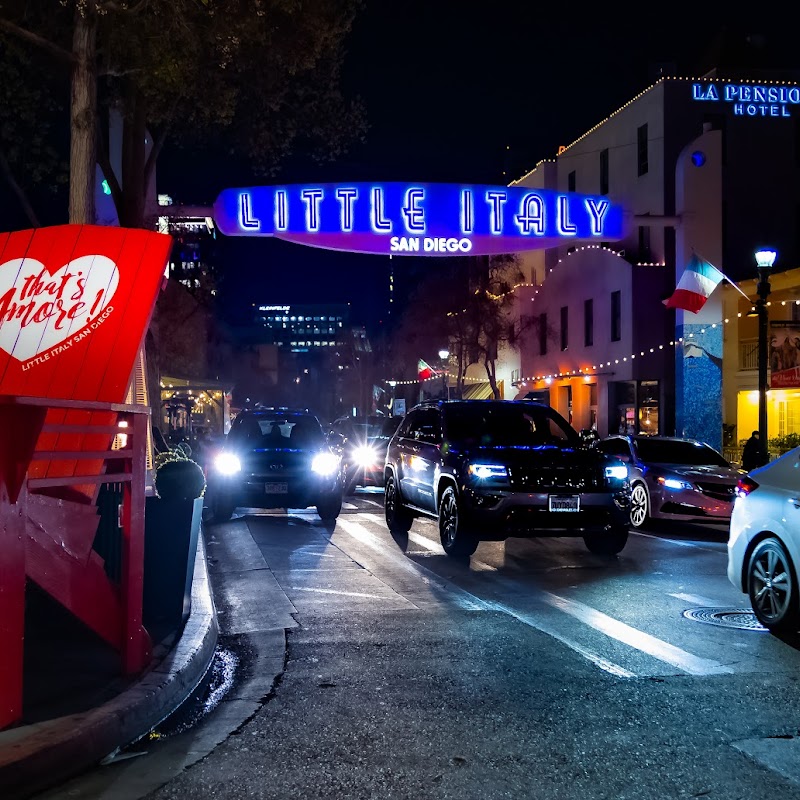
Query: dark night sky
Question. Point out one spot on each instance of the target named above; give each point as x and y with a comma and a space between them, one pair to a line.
449, 85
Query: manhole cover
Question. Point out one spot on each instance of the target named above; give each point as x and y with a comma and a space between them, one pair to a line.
740, 618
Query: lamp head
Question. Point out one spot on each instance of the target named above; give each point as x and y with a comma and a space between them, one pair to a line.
765, 258
443, 354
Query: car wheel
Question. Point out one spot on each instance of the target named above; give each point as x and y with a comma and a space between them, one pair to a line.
609, 543
398, 517
457, 539
640, 505
772, 587
222, 509
329, 508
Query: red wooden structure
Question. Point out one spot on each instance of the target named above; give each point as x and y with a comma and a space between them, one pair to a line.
47, 528
75, 302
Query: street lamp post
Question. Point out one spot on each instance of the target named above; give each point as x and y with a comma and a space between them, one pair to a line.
444, 355
764, 261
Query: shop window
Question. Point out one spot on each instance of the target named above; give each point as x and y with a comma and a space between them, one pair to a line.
588, 322
648, 403
616, 316
566, 402
593, 406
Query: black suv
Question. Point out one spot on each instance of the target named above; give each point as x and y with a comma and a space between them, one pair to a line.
275, 458
490, 469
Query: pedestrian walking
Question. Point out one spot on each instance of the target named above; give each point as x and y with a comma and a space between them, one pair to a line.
752, 456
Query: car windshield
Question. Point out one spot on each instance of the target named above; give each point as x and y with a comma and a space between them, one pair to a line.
383, 427
280, 431
505, 424
665, 451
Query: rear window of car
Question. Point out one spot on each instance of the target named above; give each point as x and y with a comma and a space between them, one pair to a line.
671, 452
508, 424
279, 431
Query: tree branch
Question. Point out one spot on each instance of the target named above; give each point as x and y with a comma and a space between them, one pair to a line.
39, 41
150, 164
5, 167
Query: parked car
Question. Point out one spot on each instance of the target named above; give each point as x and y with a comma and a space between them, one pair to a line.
364, 444
764, 541
275, 458
491, 469
675, 478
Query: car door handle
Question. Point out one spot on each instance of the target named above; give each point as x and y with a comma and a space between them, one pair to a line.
795, 501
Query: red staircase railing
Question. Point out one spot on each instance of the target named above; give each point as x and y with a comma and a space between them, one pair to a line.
54, 457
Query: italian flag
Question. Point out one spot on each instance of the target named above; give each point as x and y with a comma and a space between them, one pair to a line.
698, 281
424, 370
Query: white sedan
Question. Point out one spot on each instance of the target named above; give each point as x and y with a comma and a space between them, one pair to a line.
764, 542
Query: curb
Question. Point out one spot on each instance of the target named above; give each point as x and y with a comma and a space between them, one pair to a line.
37, 757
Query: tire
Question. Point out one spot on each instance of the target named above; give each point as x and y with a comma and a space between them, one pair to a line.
772, 587
607, 544
457, 539
640, 505
329, 508
398, 517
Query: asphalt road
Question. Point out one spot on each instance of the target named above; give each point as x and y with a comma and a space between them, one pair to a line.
536, 670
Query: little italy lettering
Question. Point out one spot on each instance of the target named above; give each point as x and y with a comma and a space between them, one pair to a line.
409, 218
44, 312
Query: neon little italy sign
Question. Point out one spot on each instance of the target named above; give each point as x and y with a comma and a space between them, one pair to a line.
418, 219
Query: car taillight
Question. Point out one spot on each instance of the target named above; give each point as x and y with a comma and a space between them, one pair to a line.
745, 485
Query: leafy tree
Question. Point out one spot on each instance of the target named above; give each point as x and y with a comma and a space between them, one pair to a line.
468, 306
256, 76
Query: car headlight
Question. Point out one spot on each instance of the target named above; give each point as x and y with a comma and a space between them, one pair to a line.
674, 483
484, 471
365, 456
325, 463
619, 472
227, 464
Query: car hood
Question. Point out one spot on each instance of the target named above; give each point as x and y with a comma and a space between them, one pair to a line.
541, 456
700, 472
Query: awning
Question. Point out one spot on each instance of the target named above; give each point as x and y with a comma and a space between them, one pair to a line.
480, 390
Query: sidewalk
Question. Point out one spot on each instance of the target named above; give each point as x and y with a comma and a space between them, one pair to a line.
78, 709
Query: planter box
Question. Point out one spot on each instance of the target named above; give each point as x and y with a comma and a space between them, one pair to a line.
170, 544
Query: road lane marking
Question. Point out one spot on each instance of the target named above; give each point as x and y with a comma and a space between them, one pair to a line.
471, 602
697, 599
677, 542
613, 628
336, 591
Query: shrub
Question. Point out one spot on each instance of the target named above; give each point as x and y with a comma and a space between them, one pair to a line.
178, 477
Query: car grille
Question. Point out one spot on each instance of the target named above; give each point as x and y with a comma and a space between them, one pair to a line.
574, 478
717, 491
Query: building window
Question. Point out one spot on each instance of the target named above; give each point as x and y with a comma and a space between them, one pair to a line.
564, 327
588, 322
644, 243
641, 150
604, 171
571, 182
593, 406
542, 334
616, 316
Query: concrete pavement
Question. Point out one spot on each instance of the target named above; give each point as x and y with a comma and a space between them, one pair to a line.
55, 747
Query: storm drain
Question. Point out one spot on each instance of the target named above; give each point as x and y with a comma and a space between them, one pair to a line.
742, 619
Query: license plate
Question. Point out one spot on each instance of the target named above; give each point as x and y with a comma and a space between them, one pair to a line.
571, 503
276, 488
